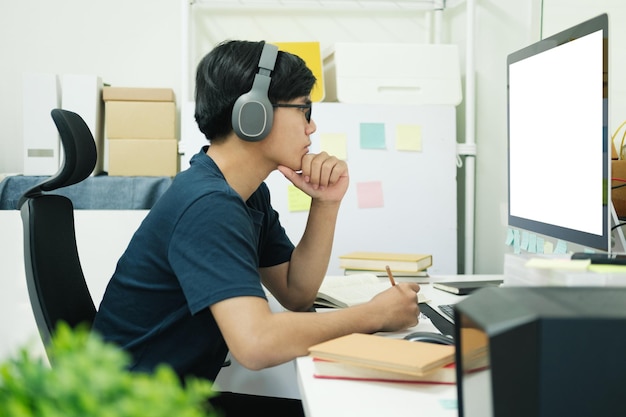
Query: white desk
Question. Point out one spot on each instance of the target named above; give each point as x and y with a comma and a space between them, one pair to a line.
328, 398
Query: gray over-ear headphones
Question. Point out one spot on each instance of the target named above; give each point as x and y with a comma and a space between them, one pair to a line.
253, 113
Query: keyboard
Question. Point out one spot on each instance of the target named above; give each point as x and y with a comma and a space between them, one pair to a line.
442, 324
447, 309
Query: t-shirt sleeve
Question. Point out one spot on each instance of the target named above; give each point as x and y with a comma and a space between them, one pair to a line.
213, 252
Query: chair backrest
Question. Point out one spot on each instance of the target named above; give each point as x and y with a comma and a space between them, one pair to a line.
54, 276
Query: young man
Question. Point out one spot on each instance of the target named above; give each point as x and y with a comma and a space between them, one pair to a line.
189, 287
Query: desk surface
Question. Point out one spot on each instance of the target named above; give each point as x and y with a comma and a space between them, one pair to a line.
328, 398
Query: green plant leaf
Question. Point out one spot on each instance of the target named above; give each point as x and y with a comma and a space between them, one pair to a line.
89, 377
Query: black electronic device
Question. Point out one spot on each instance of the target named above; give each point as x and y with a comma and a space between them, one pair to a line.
465, 287
253, 114
430, 337
447, 309
601, 258
442, 324
546, 351
558, 140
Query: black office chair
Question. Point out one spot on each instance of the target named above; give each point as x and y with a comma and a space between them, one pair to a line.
54, 276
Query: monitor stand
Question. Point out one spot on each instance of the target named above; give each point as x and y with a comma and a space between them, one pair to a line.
618, 243
617, 252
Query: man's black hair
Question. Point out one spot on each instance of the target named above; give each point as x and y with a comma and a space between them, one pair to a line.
228, 71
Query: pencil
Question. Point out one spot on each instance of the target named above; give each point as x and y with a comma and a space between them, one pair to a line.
390, 275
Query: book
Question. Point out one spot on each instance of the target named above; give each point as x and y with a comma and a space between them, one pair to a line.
474, 349
377, 261
326, 369
341, 291
386, 354
465, 287
474, 352
417, 276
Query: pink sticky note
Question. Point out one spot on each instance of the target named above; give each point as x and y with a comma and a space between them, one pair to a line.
370, 194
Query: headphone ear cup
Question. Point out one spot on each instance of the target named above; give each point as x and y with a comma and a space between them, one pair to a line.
253, 113
252, 116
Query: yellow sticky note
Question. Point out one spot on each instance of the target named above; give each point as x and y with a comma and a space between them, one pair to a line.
311, 54
335, 144
559, 263
409, 138
297, 200
607, 268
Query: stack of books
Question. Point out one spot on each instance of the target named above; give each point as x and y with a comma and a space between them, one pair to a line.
369, 357
412, 265
376, 358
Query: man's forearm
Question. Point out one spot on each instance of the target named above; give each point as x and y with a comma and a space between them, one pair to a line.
309, 262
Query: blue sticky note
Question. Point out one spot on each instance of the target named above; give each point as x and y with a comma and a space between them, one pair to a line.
532, 243
373, 136
561, 247
540, 244
509, 237
525, 237
448, 403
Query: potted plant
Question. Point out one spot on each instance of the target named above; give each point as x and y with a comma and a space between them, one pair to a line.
89, 378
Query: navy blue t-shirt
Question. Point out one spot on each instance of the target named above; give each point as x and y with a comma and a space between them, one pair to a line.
200, 244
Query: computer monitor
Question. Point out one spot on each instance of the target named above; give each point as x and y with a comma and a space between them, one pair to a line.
558, 143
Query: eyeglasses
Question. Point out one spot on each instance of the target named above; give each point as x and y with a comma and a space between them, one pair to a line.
308, 107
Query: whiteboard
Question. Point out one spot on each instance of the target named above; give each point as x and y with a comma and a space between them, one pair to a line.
417, 212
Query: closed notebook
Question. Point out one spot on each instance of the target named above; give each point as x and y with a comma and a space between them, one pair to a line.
417, 276
465, 287
377, 261
398, 355
326, 369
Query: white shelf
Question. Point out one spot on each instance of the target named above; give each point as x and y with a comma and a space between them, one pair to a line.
327, 5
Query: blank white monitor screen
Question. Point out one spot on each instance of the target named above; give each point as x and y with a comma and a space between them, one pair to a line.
557, 136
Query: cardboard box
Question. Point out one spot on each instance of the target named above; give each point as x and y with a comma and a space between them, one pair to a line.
393, 73
140, 119
618, 195
143, 157
137, 94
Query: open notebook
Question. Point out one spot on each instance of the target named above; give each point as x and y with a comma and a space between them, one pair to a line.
347, 290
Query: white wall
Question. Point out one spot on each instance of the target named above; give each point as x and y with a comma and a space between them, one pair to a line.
544, 18
501, 27
128, 43
101, 238
137, 43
